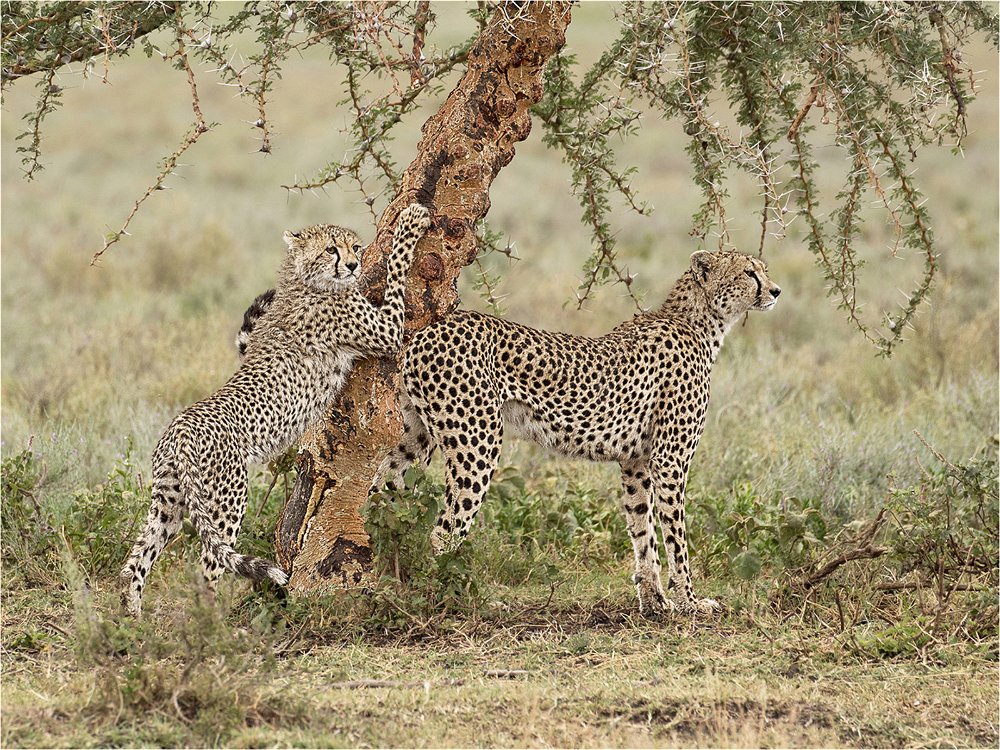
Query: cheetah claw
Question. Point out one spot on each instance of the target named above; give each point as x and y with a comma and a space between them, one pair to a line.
660, 610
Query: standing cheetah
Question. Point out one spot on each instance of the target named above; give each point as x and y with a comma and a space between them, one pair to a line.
637, 395
309, 332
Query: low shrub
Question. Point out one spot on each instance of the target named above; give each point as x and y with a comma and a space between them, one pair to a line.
29, 538
102, 521
745, 534
414, 584
568, 519
186, 669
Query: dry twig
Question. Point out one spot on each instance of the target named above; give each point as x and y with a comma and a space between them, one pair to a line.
863, 548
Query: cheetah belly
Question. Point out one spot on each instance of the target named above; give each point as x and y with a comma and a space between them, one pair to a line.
578, 421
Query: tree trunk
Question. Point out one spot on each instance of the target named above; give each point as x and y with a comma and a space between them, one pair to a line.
320, 537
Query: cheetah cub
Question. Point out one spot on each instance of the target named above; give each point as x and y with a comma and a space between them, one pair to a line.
637, 395
313, 327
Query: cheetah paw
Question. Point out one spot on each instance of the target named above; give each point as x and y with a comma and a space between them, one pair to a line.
658, 609
699, 607
707, 606
418, 215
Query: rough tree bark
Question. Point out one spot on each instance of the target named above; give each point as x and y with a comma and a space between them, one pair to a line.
320, 537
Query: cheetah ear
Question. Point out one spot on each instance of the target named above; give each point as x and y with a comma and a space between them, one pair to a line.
701, 262
291, 238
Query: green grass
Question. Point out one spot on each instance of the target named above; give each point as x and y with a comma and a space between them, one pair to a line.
808, 437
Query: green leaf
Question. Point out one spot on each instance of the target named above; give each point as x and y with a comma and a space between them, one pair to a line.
746, 564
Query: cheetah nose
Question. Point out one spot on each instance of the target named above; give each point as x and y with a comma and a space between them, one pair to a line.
775, 292
351, 265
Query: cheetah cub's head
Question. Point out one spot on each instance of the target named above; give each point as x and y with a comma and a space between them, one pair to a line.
734, 283
325, 257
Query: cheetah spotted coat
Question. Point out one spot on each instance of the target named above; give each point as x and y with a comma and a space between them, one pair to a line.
637, 395
307, 336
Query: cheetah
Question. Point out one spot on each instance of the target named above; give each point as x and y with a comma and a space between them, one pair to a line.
637, 395
311, 329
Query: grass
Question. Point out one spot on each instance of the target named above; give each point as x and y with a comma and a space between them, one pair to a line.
585, 673
532, 636
576, 667
527, 635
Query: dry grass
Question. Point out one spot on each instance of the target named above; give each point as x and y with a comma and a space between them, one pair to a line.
586, 673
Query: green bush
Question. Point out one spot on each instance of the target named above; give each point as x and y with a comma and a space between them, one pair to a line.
263, 508
103, 521
945, 539
571, 520
29, 540
744, 533
188, 669
413, 582
946, 526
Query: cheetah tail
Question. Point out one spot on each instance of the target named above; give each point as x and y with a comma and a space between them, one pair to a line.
255, 568
257, 308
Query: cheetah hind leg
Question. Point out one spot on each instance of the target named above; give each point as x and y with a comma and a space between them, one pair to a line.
415, 446
163, 521
470, 462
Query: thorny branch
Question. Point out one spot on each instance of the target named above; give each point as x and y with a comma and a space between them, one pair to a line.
861, 547
950, 66
170, 163
419, 32
882, 74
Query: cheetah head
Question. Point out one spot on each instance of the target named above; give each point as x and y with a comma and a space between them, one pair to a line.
734, 283
325, 257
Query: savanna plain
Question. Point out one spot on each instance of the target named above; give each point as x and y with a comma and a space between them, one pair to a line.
843, 506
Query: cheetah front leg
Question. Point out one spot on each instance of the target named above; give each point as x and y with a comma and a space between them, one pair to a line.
669, 480
380, 329
638, 509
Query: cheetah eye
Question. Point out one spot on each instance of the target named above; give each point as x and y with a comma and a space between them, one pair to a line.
356, 248
752, 275
332, 249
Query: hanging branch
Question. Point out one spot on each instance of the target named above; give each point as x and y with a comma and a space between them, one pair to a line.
69, 33
568, 114
950, 70
890, 77
48, 102
373, 127
200, 127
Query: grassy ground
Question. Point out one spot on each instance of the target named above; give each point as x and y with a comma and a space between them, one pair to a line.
532, 636
587, 673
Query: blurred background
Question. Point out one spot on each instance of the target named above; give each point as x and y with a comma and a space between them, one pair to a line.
96, 357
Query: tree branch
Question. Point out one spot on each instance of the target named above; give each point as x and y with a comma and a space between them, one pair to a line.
135, 20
